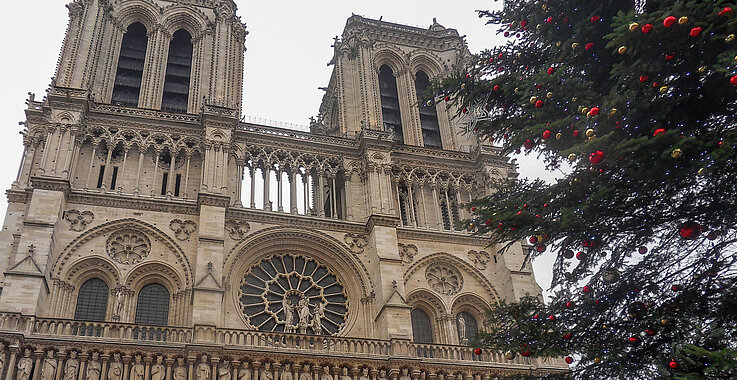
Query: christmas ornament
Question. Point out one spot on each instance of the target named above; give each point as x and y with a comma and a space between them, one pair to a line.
569, 360
712, 235
549, 95
594, 111
675, 288
529, 144
570, 304
574, 45
633, 339
551, 70
580, 255
669, 21
642, 250
429, 103
676, 153
646, 28
526, 353
496, 88
533, 99
610, 276
447, 98
701, 171
733, 80
725, 11
664, 322
650, 332
590, 132
587, 289
558, 136
659, 131
622, 50
477, 351
670, 56
682, 20
572, 157
634, 26
533, 239
597, 360
644, 78
539, 104
663, 89
589, 46
729, 38
595, 19
689, 230
695, 32
568, 254
702, 69
546, 134
540, 248
673, 364
567, 336
596, 157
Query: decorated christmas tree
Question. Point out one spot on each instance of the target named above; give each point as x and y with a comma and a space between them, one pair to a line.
638, 104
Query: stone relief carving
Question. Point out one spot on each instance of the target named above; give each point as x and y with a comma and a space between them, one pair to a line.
25, 364
356, 242
48, 368
202, 372
237, 229
407, 252
224, 370
479, 258
444, 279
114, 373
137, 369
79, 220
157, 370
128, 246
94, 368
182, 229
180, 371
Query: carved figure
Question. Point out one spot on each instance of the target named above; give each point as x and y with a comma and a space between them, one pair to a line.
286, 373
304, 315
25, 364
115, 372
305, 375
2, 357
364, 374
288, 315
118, 306
244, 373
382, 374
461, 327
224, 370
405, 374
326, 374
345, 375
203, 369
94, 367
48, 368
157, 370
317, 318
267, 373
137, 371
180, 372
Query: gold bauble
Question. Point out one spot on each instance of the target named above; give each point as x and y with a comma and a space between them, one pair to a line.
622, 49
514, 61
574, 45
584, 110
590, 132
613, 112
664, 322
470, 226
729, 38
572, 157
682, 20
597, 360
634, 26
576, 180
558, 136
703, 69
429, 103
574, 99
676, 153
463, 86
663, 89
545, 7
549, 95
517, 90
558, 43
735, 58
604, 327
701, 171
533, 99
538, 26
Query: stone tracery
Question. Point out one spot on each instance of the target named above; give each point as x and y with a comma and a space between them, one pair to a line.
128, 246
444, 279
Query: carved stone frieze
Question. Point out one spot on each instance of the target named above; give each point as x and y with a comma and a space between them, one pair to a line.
79, 220
128, 246
237, 229
444, 278
479, 258
407, 252
356, 242
182, 229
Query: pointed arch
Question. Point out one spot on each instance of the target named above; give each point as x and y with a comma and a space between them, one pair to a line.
459, 263
182, 16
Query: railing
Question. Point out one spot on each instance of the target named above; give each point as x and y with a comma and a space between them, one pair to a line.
61, 327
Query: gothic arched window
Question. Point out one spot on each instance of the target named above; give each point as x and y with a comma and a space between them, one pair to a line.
178, 70
466, 325
92, 301
152, 307
421, 327
428, 114
127, 87
390, 103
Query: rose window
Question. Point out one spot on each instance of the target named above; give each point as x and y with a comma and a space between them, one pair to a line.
128, 246
293, 294
444, 279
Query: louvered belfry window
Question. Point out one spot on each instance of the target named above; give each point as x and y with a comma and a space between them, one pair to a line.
127, 87
152, 307
390, 103
178, 71
92, 301
421, 327
428, 114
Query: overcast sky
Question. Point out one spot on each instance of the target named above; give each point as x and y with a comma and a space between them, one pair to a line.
286, 61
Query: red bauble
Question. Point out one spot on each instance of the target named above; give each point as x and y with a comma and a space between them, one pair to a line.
642, 250
570, 304
496, 88
488, 222
529, 144
675, 288
568, 336
491, 59
546, 134
549, 20
465, 110
587, 289
473, 209
540, 248
595, 19
539, 103
670, 56
633, 339
733, 80
551, 70
569, 360
644, 78
551, 317
647, 28
594, 111
656, 84
447, 98
650, 332
477, 351
500, 225
576, 133
726, 10
669, 21
523, 23
689, 230
533, 239
712, 235
589, 46
673, 364
526, 353
596, 158
659, 131
695, 32
580, 255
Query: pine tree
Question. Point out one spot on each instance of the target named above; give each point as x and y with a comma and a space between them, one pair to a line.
638, 105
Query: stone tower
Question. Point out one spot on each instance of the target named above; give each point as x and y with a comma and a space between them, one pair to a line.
151, 234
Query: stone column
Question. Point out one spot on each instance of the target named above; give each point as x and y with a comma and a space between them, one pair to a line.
169, 362
256, 365
82, 362
103, 371
126, 365
265, 172
190, 364
279, 190
293, 191
137, 189
60, 365
320, 194
11, 363
252, 171
147, 367
214, 372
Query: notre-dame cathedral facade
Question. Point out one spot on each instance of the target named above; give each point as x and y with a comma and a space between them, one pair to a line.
151, 234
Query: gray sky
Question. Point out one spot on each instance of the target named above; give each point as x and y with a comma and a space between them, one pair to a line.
286, 61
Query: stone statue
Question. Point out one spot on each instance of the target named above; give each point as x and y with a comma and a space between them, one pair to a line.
115, 372
48, 368
203, 369
224, 370
2, 357
244, 373
286, 373
94, 367
345, 375
405, 374
180, 372
267, 373
382, 374
326, 374
137, 370
118, 306
288, 315
364, 374
461, 328
158, 371
317, 318
25, 364
304, 315
305, 375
